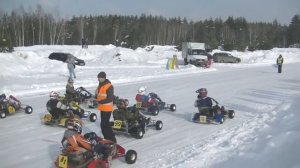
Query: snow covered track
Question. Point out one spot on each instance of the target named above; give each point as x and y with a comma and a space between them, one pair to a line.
264, 133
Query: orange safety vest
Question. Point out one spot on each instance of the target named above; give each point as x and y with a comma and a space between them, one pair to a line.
108, 107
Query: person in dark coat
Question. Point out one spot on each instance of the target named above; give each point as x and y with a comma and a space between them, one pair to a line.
203, 102
105, 96
82, 43
71, 94
279, 63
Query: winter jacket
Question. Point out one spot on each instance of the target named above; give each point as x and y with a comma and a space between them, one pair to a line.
105, 96
70, 89
146, 100
75, 141
204, 102
279, 61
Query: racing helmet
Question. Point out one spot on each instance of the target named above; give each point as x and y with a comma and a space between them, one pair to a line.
75, 126
122, 103
70, 80
53, 95
142, 90
202, 92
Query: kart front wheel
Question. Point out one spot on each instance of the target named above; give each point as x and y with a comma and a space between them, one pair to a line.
93, 117
130, 156
28, 110
158, 125
139, 133
173, 107
2, 114
231, 114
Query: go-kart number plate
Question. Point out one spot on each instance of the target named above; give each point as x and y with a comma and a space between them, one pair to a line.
202, 119
63, 161
138, 104
47, 118
117, 124
11, 109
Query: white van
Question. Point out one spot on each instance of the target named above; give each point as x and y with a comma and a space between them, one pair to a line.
194, 53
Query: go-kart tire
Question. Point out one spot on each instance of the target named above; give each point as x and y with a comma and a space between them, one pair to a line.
130, 156
231, 114
93, 117
222, 120
158, 125
28, 110
154, 110
2, 114
173, 107
139, 133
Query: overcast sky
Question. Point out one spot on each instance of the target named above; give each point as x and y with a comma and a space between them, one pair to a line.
252, 10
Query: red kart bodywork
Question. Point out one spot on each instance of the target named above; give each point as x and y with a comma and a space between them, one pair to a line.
120, 152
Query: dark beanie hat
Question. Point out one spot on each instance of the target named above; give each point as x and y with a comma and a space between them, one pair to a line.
102, 75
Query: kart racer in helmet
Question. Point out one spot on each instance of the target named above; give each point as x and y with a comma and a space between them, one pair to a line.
74, 142
203, 102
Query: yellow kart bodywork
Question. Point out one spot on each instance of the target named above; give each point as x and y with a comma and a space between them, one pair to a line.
62, 121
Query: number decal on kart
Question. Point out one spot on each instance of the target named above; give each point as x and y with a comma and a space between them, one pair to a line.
11, 109
47, 118
117, 124
63, 161
138, 104
202, 119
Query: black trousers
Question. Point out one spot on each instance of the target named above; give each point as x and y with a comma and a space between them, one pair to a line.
279, 68
106, 127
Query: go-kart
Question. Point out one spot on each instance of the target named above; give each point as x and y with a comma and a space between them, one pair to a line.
89, 159
215, 115
66, 112
12, 105
84, 96
155, 105
62, 120
129, 120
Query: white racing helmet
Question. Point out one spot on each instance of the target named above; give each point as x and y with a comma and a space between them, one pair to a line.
142, 90
54, 95
75, 126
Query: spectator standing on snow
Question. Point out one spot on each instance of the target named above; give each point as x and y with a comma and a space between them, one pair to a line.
71, 65
82, 43
279, 62
105, 96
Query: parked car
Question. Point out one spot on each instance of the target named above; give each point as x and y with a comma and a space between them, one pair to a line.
225, 58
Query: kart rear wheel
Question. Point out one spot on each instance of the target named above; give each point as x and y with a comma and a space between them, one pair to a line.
154, 110
173, 107
2, 114
130, 156
158, 125
231, 114
139, 133
221, 120
93, 117
28, 110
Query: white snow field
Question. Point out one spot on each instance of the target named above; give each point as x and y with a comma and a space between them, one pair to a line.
264, 133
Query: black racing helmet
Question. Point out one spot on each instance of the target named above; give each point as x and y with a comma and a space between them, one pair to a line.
202, 92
